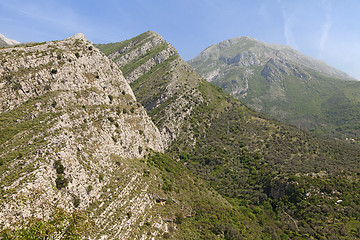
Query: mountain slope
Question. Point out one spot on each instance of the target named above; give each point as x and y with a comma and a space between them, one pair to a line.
271, 172
69, 125
161, 80
285, 84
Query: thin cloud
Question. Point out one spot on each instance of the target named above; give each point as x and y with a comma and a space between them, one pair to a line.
327, 25
55, 14
288, 32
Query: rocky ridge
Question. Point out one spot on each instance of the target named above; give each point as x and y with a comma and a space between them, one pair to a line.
161, 80
6, 42
70, 128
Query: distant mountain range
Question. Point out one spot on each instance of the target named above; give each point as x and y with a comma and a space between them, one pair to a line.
5, 42
287, 85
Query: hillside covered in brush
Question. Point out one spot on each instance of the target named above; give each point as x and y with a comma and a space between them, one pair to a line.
285, 84
291, 183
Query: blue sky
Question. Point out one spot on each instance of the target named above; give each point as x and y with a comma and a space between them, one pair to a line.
324, 29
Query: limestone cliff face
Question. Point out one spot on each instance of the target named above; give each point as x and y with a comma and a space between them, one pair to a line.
71, 135
142, 47
161, 80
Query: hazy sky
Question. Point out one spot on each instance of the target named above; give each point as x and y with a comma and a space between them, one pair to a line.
323, 29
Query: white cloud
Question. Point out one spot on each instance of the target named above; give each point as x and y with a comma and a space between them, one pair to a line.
327, 24
288, 29
45, 15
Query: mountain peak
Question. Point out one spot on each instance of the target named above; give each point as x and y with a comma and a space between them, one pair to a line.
6, 41
79, 36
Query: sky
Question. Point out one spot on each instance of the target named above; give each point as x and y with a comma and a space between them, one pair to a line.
324, 29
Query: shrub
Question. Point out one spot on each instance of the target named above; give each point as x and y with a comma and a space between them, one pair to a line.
76, 201
77, 55
16, 86
179, 218
53, 71
61, 182
101, 177
89, 188
146, 173
59, 167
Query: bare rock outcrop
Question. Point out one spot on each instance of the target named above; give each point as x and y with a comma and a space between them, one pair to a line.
72, 134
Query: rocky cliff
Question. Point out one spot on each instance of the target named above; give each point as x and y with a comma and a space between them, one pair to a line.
161, 80
71, 134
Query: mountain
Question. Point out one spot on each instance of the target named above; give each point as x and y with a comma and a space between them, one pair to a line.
5, 42
161, 80
290, 183
70, 125
83, 155
80, 157
280, 81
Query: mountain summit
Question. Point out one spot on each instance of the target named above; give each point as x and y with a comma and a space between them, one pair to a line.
282, 82
247, 51
5, 42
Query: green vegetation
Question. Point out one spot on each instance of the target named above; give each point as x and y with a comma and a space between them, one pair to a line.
128, 68
61, 225
200, 213
280, 171
113, 47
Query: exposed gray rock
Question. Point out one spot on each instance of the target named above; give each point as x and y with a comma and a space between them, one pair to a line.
92, 125
5, 42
